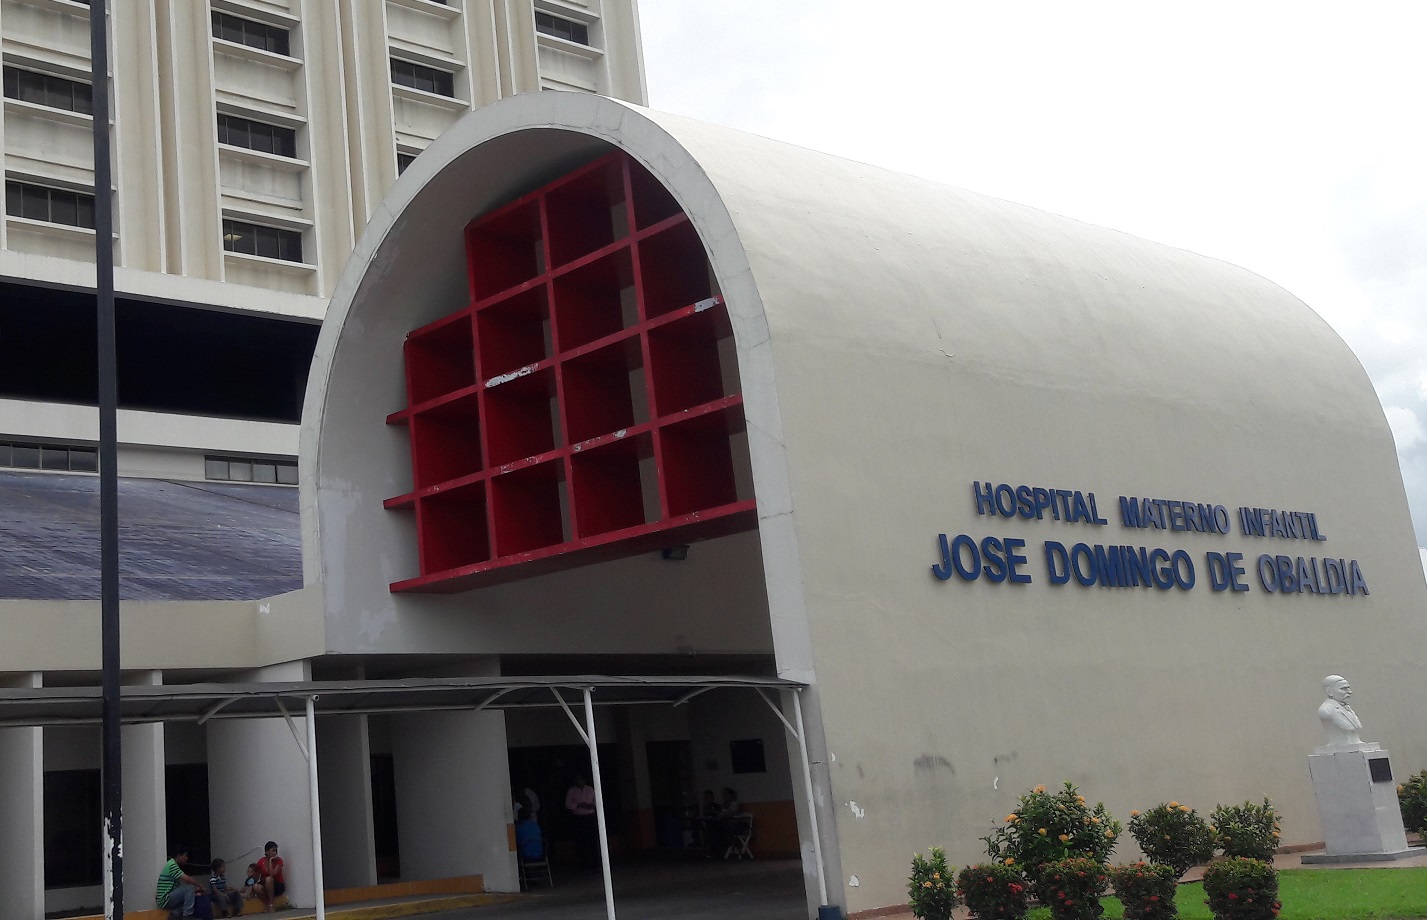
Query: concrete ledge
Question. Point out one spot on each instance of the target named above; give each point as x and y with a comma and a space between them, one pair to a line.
158, 913
1326, 859
403, 899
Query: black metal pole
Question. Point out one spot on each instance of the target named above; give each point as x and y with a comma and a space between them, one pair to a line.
108, 460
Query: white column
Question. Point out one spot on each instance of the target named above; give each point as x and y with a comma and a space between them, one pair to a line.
22, 827
145, 808
453, 796
257, 789
345, 771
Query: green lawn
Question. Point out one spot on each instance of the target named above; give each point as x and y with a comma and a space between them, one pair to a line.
1319, 894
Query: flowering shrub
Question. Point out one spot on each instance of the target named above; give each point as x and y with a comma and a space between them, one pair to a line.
1242, 889
992, 891
1412, 798
1147, 891
931, 887
1173, 835
1247, 830
1071, 888
1048, 826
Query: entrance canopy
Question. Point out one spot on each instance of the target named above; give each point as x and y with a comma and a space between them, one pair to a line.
201, 702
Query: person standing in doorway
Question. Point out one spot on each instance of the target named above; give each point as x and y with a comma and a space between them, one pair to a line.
580, 803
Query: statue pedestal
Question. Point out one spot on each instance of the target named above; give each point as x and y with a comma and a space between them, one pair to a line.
1357, 802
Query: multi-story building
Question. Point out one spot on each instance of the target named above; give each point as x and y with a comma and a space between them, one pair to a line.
252, 140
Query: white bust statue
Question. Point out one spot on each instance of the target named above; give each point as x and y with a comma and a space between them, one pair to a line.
1338, 718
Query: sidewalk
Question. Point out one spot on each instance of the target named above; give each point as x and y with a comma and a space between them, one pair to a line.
644, 890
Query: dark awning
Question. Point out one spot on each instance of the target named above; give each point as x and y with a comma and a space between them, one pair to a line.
201, 702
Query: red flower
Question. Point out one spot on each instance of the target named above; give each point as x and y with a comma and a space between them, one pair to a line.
1233, 897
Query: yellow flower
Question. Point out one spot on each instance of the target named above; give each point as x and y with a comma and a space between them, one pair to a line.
1010, 861
1010, 819
1080, 799
1094, 820
1185, 808
1064, 838
1110, 834
1134, 814
1042, 832
926, 884
1039, 789
1275, 834
1173, 804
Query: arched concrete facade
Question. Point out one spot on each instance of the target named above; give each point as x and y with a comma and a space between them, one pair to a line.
898, 341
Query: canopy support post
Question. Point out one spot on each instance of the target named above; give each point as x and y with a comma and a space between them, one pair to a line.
311, 754
291, 726
599, 804
797, 732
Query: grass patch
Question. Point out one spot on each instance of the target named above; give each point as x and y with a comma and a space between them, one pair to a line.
1317, 894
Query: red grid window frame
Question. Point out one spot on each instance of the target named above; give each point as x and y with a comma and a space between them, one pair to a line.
585, 404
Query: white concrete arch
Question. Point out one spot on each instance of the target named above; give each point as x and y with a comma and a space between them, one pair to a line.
897, 341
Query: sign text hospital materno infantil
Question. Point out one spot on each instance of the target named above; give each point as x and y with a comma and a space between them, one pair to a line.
1003, 559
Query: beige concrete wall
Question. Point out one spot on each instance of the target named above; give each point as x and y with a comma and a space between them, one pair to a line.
980, 340
64, 635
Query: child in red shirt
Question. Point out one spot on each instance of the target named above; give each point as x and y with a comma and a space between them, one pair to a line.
271, 884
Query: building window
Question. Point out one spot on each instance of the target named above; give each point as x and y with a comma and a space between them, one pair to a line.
233, 469
257, 135
419, 76
52, 205
259, 35
21, 456
404, 160
560, 27
257, 240
48, 90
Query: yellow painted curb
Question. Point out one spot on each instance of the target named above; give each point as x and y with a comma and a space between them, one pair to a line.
409, 908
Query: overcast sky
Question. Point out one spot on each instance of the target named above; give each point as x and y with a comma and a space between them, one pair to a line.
1288, 138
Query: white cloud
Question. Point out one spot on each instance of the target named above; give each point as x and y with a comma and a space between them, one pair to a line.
1406, 428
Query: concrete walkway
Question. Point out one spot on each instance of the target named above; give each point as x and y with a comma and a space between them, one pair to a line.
661, 889
644, 890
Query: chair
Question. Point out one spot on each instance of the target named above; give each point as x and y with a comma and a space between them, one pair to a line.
535, 868
740, 831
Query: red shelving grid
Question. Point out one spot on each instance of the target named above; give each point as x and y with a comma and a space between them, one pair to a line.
586, 404
514, 331
459, 516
